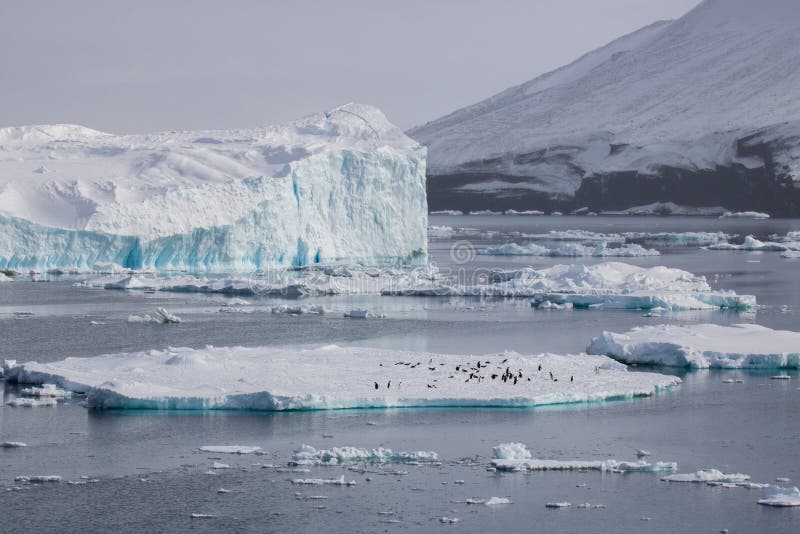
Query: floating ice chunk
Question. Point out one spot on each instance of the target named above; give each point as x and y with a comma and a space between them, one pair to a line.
38, 479
590, 506
447, 212
269, 378
202, 516
527, 212
496, 501
570, 250
161, 316
32, 403
440, 232
563, 504
641, 453
707, 475
774, 496
790, 254
46, 390
781, 377
298, 310
577, 235
307, 455
12, 444
220, 465
363, 314
702, 346
511, 451
547, 305
782, 480
230, 449
324, 481
744, 215
486, 212
449, 520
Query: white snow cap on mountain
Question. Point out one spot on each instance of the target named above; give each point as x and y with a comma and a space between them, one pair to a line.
341, 185
675, 93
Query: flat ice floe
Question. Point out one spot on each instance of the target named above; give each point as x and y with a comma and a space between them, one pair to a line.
308, 455
332, 377
744, 215
678, 238
708, 475
517, 457
774, 496
703, 346
230, 449
606, 285
570, 250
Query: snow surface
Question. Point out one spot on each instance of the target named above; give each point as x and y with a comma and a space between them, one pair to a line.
676, 93
331, 377
774, 496
703, 346
571, 250
340, 185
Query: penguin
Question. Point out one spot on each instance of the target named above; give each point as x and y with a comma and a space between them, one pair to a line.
540, 366
551, 375
572, 379
494, 376
376, 385
389, 384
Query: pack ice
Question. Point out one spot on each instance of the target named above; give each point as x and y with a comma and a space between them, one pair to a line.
332, 377
703, 346
340, 185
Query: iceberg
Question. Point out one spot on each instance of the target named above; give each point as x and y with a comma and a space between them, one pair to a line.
703, 346
744, 215
332, 377
571, 250
341, 185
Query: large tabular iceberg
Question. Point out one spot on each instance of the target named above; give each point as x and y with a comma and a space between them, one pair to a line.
270, 378
341, 185
702, 346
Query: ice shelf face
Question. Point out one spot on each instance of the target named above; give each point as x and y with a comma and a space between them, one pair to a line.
332, 377
342, 185
703, 346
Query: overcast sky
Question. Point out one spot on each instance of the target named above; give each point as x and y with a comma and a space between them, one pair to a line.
145, 65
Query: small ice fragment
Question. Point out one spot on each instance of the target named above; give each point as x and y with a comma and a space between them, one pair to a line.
558, 505
219, 465
782, 480
202, 516
16, 444
458, 482
449, 520
496, 501
707, 475
223, 490
160, 316
32, 403
641, 453
781, 377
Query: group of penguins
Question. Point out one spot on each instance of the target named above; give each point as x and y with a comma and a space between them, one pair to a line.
474, 373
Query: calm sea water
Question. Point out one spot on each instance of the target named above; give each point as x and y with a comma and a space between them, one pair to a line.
152, 478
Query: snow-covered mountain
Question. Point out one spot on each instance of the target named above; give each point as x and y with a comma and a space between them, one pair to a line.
342, 185
703, 110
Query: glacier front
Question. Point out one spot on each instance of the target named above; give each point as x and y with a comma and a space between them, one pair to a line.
345, 185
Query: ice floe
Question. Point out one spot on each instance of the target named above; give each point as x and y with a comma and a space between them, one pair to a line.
609, 285
363, 314
46, 390
160, 316
702, 346
332, 377
497, 501
570, 250
774, 496
324, 481
307, 455
38, 479
12, 444
298, 310
744, 215
32, 403
517, 457
752, 244
792, 254
230, 449
706, 476
679, 238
